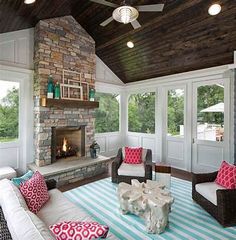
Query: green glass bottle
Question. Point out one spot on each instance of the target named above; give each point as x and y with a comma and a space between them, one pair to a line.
50, 87
91, 94
57, 92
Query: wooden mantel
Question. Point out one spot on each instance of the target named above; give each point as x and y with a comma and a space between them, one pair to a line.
63, 103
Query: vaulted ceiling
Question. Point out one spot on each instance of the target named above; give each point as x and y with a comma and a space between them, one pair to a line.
181, 38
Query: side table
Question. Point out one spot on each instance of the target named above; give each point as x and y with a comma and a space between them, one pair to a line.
163, 173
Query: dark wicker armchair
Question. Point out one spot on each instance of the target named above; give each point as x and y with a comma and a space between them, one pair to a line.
225, 210
123, 178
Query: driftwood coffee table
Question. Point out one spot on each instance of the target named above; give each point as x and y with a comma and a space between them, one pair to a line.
148, 200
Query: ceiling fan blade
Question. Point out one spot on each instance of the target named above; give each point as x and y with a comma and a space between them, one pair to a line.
150, 8
106, 22
135, 24
106, 3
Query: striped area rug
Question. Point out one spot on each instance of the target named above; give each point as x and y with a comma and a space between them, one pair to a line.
187, 220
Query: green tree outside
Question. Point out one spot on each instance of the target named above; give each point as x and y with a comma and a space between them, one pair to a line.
141, 112
107, 115
175, 112
9, 112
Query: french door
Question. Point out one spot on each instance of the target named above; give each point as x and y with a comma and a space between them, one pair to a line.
210, 126
175, 126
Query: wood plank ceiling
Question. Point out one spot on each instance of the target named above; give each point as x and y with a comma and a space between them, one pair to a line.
181, 38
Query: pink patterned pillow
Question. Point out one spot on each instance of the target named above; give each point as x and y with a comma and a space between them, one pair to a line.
79, 230
35, 192
226, 176
133, 155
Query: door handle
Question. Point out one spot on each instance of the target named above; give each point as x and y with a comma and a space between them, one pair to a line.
193, 140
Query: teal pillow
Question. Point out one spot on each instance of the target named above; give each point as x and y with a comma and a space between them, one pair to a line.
22, 179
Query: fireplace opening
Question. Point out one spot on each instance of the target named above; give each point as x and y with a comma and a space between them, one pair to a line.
68, 142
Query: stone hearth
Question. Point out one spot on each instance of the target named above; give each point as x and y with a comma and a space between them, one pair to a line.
69, 171
61, 44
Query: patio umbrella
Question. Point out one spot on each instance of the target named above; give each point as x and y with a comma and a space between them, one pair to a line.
219, 107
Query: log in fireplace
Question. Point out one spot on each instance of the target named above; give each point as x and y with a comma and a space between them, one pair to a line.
68, 142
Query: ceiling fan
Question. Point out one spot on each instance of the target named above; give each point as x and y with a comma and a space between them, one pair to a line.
125, 13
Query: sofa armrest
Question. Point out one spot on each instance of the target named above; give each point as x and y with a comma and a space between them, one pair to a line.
203, 177
226, 203
51, 184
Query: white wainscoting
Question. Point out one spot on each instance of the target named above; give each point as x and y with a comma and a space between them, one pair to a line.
143, 140
10, 155
175, 153
16, 48
109, 143
208, 157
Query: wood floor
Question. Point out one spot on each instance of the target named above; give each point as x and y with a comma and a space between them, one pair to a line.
174, 172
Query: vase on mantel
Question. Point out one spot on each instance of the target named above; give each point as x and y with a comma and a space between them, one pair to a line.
50, 87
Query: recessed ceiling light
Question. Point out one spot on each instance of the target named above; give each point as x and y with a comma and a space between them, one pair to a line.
29, 1
130, 44
214, 9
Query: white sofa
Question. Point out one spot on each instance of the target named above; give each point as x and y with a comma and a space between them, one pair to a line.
24, 225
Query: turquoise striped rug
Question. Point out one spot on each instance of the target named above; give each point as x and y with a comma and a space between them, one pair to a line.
186, 221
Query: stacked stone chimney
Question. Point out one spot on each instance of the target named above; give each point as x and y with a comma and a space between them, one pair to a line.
60, 43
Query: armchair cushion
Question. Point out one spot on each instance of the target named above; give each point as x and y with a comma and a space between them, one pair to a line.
208, 191
226, 176
137, 170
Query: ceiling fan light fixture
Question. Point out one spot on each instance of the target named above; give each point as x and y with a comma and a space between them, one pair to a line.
29, 1
125, 14
214, 9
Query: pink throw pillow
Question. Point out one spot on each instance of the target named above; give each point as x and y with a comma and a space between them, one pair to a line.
35, 192
133, 155
79, 230
226, 176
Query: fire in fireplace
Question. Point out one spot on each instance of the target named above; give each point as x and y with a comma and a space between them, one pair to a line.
66, 149
68, 142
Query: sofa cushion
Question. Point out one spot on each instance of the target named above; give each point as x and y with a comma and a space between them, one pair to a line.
23, 224
226, 176
208, 191
35, 192
10, 196
59, 209
79, 230
133, 155
136, 170
18, 180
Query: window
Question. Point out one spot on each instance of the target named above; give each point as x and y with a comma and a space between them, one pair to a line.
142, 113
210, 112
107, 115
9, 111
176, 112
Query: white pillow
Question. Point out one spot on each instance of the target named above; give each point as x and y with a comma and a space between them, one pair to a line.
10, 196
144, 153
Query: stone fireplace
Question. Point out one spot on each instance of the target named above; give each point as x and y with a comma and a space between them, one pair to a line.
67, 143
62, 44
